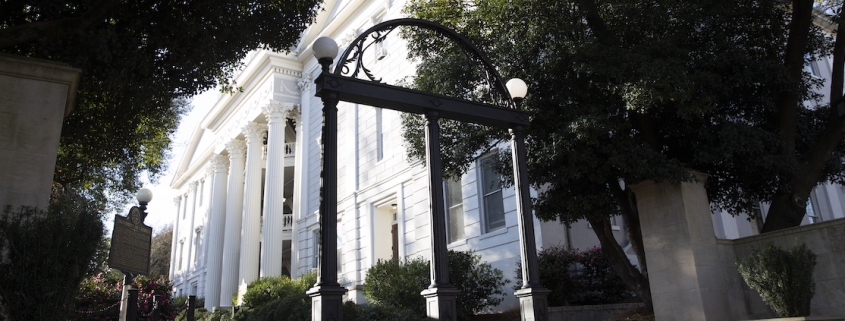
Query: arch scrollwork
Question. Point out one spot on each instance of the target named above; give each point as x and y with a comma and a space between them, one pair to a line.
351, 62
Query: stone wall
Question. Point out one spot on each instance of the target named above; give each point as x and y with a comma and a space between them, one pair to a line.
590, 312
826, 239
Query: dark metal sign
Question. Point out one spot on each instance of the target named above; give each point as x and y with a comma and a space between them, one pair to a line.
130, 243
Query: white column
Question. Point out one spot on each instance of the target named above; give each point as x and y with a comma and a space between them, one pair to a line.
214, 260
251, 228
297, 203
189, 230
178, 202
274, 187
232, 236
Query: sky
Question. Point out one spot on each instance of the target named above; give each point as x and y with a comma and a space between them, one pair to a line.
161, 209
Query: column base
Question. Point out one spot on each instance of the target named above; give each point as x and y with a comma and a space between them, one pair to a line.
326, 302
441, 303
533, 304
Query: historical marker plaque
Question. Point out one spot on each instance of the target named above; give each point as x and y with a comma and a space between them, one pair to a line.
130, 243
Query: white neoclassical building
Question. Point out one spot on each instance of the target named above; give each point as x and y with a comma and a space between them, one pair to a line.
249, 180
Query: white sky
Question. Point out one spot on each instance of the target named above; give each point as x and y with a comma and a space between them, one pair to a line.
161, 209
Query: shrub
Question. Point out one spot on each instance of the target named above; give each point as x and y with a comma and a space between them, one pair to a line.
784, 278
398, 286
277, 298
577, 277
390, 283
46, 254
377, 312
264, 290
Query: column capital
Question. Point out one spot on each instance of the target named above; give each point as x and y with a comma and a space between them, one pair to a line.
177, 200
220, 163
236, 148
295, 113
192, 186
305, 82
276, 111
253, 131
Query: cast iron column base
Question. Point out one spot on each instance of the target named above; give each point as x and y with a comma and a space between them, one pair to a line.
441, 303
326, 302
533, 304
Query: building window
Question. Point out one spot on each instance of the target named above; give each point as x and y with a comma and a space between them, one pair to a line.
181, 250
811, 66
812, 213
491, 189
379, 134
316, 246
201, 191
454, 209
197, 246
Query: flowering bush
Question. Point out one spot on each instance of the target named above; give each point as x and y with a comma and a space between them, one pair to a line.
99, 298
577, 277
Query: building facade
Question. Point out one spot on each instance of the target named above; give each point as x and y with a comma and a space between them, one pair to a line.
249, 180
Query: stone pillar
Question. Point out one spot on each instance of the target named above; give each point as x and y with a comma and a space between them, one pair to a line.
680, 246
178, 202
232, 235
274, 188
251, 228
214, 261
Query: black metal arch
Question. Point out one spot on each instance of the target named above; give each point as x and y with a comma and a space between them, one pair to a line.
498, 92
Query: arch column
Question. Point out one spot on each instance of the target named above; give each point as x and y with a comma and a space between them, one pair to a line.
251, 228
232, 235
214, 261
274, 186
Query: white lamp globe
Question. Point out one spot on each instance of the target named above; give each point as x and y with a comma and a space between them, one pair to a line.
324, 47
517, 88
145, 195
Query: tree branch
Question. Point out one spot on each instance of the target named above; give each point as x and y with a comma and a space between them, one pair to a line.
789, 100
59, 28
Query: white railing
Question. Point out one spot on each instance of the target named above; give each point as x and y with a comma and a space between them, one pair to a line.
290, 149
288, 222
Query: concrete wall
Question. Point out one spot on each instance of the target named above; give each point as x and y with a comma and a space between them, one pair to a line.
590, 312
36, 95
826, 239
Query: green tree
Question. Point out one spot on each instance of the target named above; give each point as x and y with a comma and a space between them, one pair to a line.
140, 61
46, 254
160, 251
626, 91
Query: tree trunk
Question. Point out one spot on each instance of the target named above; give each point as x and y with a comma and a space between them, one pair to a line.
629, 274
631, 217
789, 203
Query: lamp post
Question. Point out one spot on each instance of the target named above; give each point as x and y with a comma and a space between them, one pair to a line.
327, 294
144, 196
532, 296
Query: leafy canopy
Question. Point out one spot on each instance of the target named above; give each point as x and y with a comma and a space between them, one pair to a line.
625, 91
140, 61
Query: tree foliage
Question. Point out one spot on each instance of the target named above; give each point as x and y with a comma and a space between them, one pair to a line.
140, 61
45, 255
160, 248
627, 91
